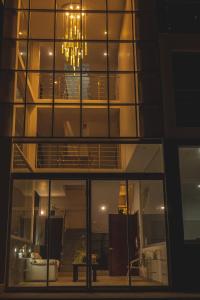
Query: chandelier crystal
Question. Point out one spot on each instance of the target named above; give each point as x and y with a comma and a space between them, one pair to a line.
74, 49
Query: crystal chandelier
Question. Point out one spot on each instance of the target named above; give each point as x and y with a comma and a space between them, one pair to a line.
74, 49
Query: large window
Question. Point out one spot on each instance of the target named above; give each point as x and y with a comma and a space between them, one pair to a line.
78, 233
81, 69
190, 191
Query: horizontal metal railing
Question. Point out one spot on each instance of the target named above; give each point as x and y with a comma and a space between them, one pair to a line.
78, 156
69, 156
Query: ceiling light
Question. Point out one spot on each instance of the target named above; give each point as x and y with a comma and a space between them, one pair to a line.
103, 208
105, 32
198, 186
21, 53
162, 208
105, 54
42, 212
50, 53
20, 33
56, 82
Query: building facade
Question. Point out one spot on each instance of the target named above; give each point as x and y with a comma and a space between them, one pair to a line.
99, 133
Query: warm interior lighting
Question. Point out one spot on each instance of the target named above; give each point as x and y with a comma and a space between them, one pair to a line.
75, 30
103, 208
50, 53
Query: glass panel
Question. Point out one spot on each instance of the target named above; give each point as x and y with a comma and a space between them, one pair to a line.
23, 25
95, 158
67, 121
38, 4
120, 4
94, 5
65, 62
28, 254
190, 189
41, 55
109, 257
38, 120
24, 4
39, 87
96, 58
121, 57
89, 20
67, 86
123, 122
20, 87
120, 26
67, 234
95, 121
147, 236
41, 25
18, 120
122, 87
94, 86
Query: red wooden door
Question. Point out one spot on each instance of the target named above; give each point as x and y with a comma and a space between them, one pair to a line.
118, 249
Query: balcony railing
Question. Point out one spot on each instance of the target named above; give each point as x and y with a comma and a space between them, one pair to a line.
68, 156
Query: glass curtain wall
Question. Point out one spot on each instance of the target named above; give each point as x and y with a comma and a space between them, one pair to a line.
62, 237
80, 69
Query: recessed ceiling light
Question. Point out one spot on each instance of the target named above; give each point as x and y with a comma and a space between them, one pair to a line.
50, 53
42, 212
105, 54
198, 186
103, 208
105, 32
20, 33
162, 208
21, 53
56, 82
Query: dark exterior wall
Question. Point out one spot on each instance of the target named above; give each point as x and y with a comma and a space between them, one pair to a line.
179, 32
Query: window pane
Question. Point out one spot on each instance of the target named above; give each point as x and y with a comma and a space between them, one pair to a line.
92, 157
39, 87
122, 87
120, 26
38, 4
96, 58
121, 57
94, 5
120, 5
67, 121
95, 121
190, 189
123, 122
67, 233
109, 234
28, 254
40, 55
65, 62
147, 239
67, 86
41, 25
94, 86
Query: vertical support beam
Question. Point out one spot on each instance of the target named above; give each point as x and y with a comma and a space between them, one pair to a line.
174, 210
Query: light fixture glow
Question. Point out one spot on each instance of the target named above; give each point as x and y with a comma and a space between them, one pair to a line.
103, 208
162, 208
42, 212
20, 33
50, 53
105, 54
75, 30
198, 186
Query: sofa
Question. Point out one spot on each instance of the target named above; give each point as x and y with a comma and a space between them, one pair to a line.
36, 269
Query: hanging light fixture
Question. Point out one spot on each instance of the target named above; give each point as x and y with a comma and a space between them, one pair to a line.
74, 49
